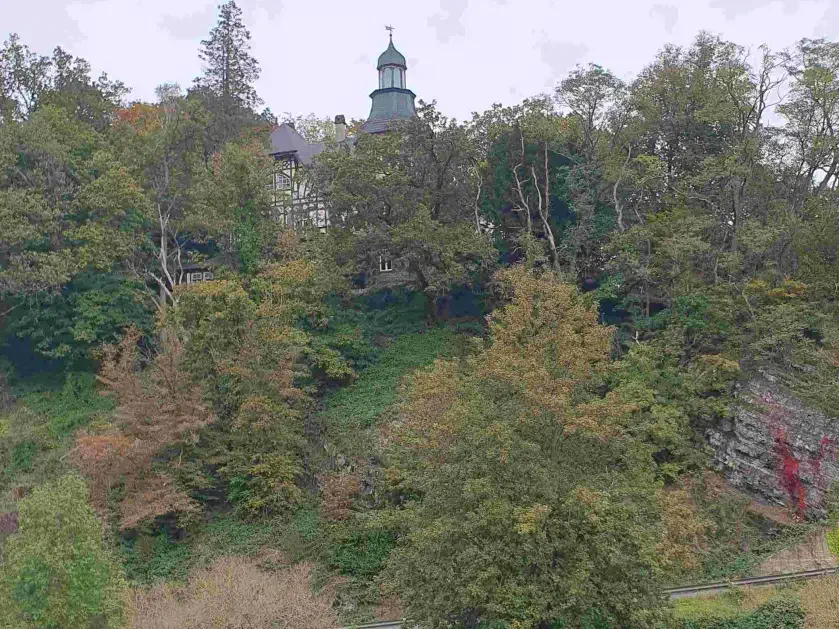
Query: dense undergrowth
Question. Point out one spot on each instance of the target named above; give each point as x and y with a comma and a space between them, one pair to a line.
385, 340
805, 605
515, 439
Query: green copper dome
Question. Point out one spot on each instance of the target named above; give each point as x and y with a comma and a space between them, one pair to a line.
393, 101
391, 57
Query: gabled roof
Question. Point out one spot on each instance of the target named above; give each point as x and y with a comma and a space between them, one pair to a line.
285, 140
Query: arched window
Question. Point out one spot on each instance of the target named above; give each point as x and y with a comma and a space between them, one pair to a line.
391, 77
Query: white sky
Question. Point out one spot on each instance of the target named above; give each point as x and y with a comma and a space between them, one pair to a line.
319, 55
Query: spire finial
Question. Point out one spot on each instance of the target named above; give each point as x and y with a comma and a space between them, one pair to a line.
389, 28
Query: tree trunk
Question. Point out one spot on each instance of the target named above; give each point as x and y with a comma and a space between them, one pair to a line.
430, 298
164, 257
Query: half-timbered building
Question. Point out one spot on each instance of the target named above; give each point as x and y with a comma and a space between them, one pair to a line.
295, 203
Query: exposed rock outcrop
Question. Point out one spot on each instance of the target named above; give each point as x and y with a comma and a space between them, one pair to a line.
776, 448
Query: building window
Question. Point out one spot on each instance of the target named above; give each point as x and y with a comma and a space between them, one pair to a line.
207, 276
385, 264
282, 181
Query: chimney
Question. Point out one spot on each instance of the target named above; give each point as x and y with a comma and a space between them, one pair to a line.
340, 128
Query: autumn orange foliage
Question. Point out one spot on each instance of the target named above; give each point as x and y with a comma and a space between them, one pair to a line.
157, 406
141, 118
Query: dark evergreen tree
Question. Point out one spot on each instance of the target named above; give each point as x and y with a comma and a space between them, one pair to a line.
227, 85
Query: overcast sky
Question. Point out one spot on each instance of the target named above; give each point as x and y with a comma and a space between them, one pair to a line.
319, 55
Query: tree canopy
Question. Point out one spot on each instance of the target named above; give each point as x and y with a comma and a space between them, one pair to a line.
483, 393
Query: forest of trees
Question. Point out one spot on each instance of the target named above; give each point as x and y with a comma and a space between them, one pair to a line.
513, 439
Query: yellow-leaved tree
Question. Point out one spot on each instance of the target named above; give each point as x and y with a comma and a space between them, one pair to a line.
523, 502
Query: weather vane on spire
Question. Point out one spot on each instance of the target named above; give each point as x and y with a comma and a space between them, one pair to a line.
389, 28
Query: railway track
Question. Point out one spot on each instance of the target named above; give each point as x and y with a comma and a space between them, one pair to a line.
679, 592
710, 588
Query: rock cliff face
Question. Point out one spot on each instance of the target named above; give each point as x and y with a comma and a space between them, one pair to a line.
777, 449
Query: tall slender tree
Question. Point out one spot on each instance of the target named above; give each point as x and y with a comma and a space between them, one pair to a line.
227, 84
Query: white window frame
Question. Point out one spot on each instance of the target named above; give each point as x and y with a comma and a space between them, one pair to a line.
385, 264
282, 181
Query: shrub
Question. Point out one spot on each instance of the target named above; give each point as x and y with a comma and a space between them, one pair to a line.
149, 559
359, 405
306, 523
781, 613
55, 570
832, 537
362, 555
22, 455
235, 592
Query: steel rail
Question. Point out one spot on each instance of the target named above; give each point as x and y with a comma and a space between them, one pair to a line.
692, 590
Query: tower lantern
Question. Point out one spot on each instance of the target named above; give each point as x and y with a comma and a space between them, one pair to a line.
392, 100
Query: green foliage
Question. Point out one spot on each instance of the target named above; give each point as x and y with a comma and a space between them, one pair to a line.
832, 538
427, 223
230, 204
74, 406
737, 539
555, 439
670, 398
91, 310
502, 464
149, 559
388, 313
831, 500
35, 432
154, 556
782, 613
22, 455
360, 404
55, 570
306, 522
362, 554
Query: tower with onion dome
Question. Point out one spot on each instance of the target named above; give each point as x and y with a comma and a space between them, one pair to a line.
392, 101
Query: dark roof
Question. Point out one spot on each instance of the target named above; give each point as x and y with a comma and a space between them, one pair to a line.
285, 140
374, 126
389, 104
204, 264
391, 57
